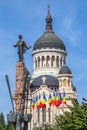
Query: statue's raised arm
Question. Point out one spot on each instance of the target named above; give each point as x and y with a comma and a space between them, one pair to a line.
22, 47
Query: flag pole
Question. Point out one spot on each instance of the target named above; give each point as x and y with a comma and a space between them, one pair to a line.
34, 125
58, 126
39, 119
33, 119
49, 117
63, 102
49, 113
33, 116
39, 124
53, 110
57, 114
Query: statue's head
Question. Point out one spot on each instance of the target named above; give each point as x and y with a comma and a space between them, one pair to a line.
20, 37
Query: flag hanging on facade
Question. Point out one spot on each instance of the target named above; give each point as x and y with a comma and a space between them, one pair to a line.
33, 103
36, 103
43, 100
50, 99
64, 98
53, 99
57, 100
39, 103
60, 99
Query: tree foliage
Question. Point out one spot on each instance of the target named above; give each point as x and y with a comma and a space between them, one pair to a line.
9, 126
2, 120
76, 119
3, 125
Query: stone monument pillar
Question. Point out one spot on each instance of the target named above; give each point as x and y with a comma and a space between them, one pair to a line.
20, 66
19, 117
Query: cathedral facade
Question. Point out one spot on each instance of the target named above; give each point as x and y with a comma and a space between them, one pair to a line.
51, 78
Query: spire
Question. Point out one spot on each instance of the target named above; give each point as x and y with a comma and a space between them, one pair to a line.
49, 9
48, 21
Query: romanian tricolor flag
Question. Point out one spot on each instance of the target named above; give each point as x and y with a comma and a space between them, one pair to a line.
33, 103
53, 99
37, 98
43, 100
57, 100
50, 100
39, 103
60, 99
64, 98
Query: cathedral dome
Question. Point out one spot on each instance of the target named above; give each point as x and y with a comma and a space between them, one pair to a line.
45, 80
65, 70
49, 39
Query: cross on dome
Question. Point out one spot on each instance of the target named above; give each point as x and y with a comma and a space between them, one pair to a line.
44, 79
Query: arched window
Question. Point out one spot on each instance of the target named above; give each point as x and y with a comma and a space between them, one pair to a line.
57, 61
52, 61
35, 63
60, 82
43, 115
69, 84
47, 61
65, 82
61, 62
38, 61
43, 61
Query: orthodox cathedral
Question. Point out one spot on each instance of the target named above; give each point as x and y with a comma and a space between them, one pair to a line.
51, 88
51, 78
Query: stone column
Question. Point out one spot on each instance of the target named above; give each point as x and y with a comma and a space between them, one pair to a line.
19, 86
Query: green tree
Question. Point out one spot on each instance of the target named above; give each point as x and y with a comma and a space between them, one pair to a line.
9, 126
76, 119
3, 125
2, 122
2, 128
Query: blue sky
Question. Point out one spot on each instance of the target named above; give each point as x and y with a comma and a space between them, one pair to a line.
27, 17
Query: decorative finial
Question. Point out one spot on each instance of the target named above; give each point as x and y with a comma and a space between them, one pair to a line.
48, 9
48, 21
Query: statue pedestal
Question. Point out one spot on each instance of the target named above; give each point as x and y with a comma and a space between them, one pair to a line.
20, 66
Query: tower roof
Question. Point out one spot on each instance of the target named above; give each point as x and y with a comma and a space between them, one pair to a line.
49, 39
65, 70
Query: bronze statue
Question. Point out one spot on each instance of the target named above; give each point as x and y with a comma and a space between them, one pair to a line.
22, 47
